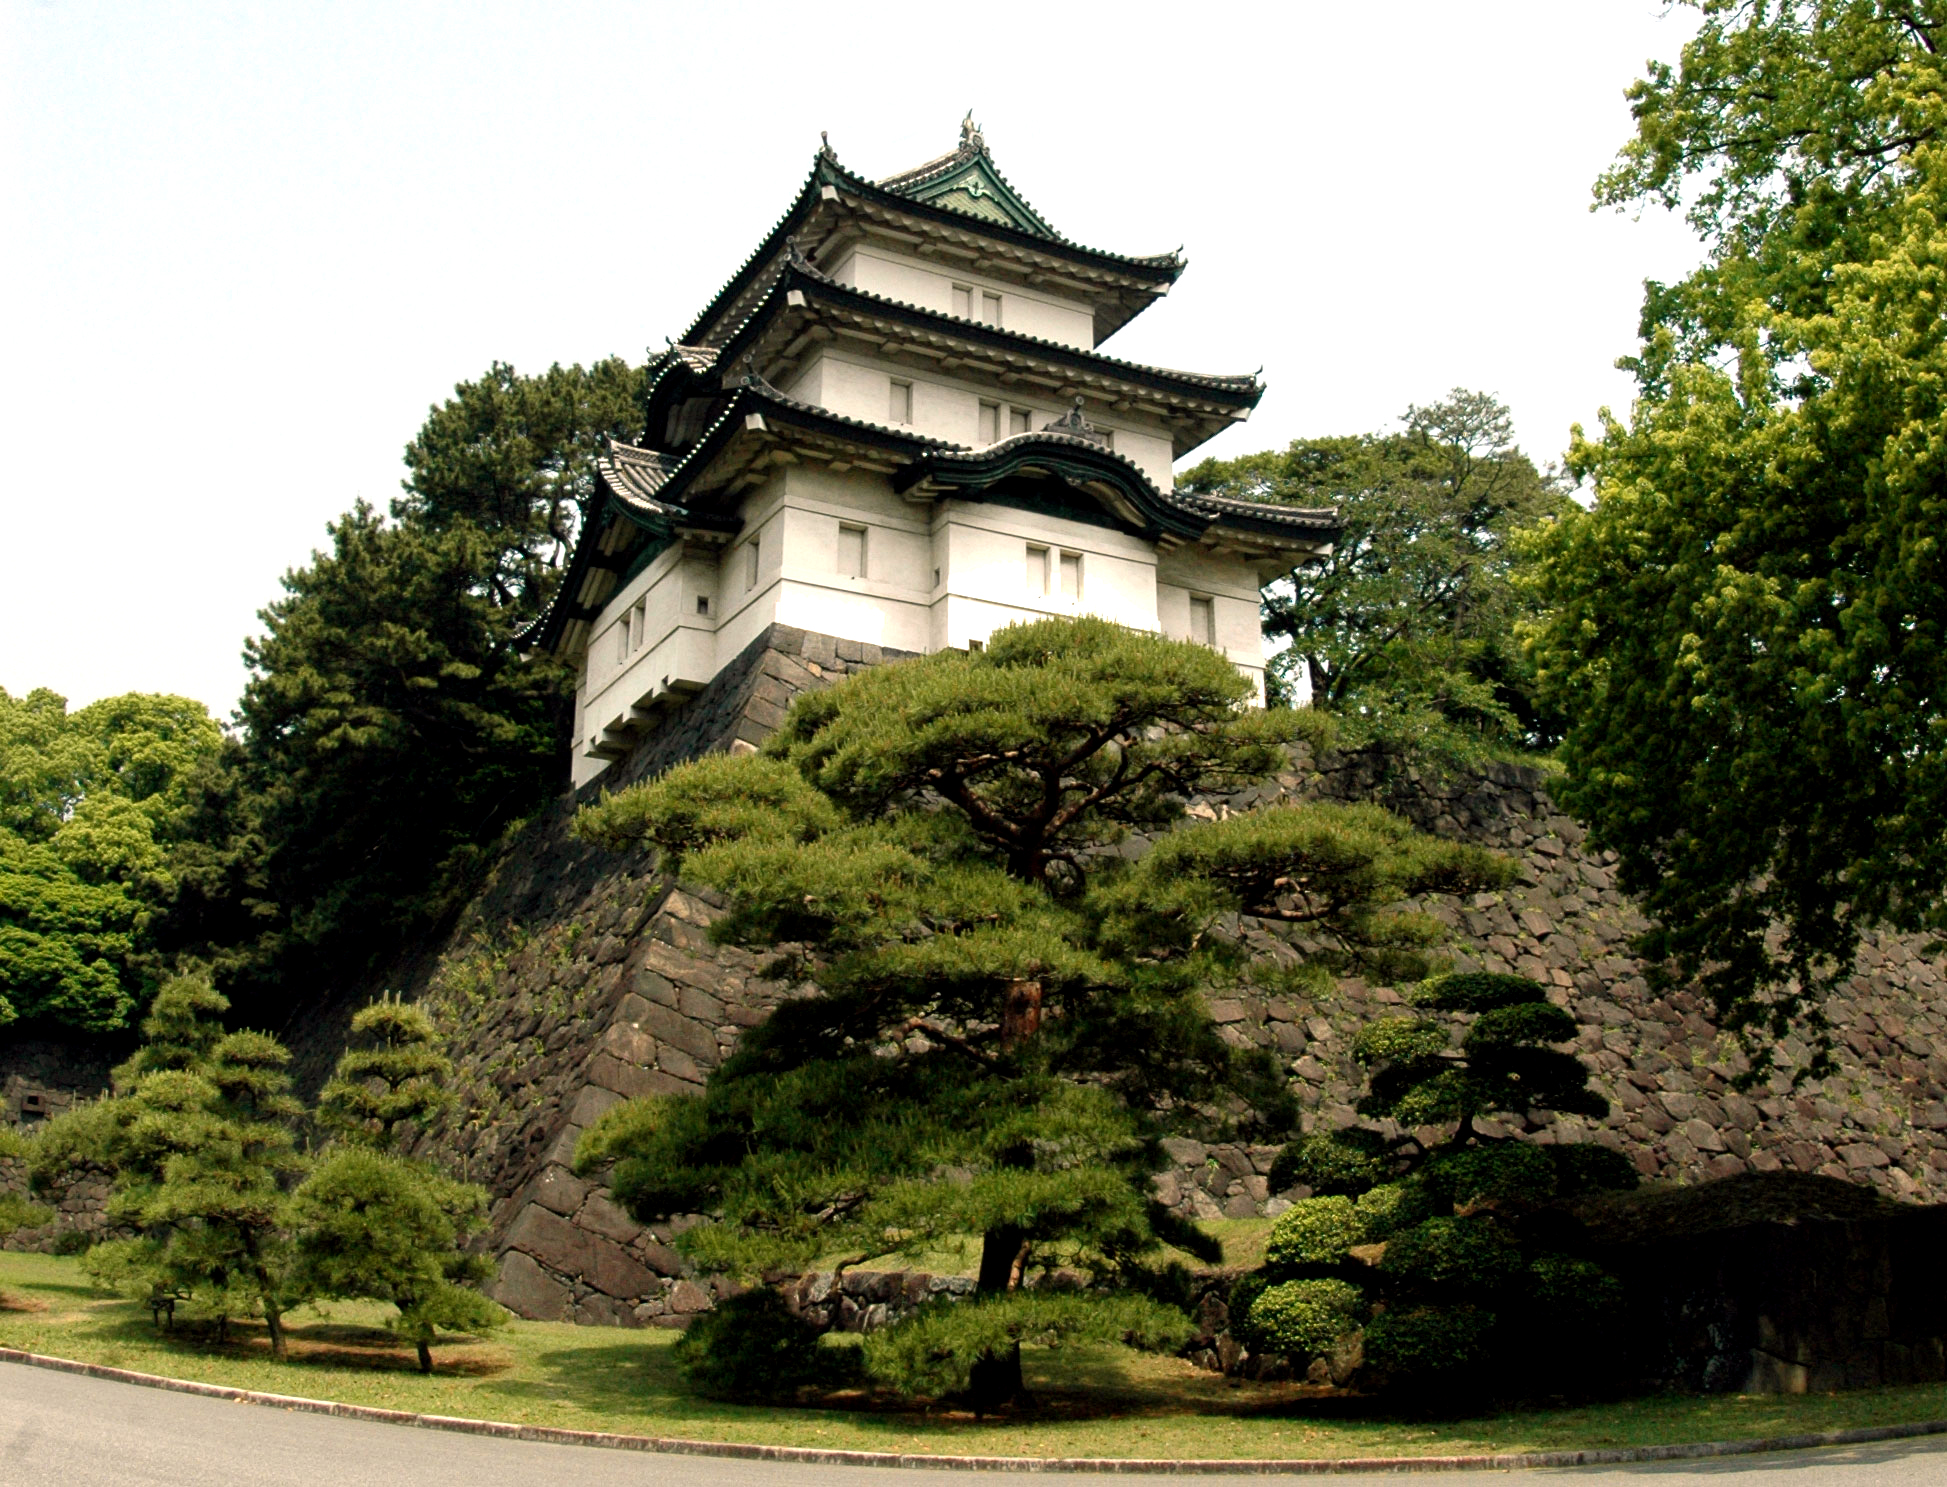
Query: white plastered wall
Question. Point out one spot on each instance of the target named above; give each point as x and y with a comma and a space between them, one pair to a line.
927, 283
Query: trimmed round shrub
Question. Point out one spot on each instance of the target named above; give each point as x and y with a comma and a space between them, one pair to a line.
1428, 1342
1588, 1168
1300, 1318
1313, 1231
1385, 1210
1345, 1162
1250, 1285
752, 1347
1529, 1022
1399, 1039
1507, 1171
1468, 1256
1475, 991
1566, 1292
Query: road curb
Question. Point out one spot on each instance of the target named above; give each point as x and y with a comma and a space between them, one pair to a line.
672, 1445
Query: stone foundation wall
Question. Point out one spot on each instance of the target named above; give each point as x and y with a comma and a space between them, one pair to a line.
577, 979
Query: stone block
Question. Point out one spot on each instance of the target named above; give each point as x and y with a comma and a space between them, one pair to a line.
630, 1081
558, 1190
602, 1215
555, 1241
527, 1290
1184, 1152
616, 1272
672, 1029
591, 1104
686, 1298
679, 1065
628, 1042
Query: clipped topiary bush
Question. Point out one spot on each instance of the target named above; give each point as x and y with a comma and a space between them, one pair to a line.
1507, 1172
1385, 1210
1302, 1318
1313, 1231
1588, 1168
1348, 1162
754, 1347
1460, 1256
1569, 1293
1427, 1345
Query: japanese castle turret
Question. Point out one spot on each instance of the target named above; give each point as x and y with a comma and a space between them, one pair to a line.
894, 426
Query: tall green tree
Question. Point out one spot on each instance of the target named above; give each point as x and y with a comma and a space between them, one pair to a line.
1405, 632
96, 824
391, 729
1007, 1018
199, 1140
372, 1223
1747, 628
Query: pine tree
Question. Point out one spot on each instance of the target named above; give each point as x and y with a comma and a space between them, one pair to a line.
372, 1223
1006, 1020
1415, 1240
199, 1138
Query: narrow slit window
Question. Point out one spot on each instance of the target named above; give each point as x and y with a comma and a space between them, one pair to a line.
901, 405
1071, 575
750, 565
621, 640
1203, 620
638, 618
1019, 420
1037, 571
990, 308
963, 301
851, 551
990, 423
702, 603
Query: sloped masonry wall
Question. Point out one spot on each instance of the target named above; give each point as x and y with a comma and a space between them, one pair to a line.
573, 982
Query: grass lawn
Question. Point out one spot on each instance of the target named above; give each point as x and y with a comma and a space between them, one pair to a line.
1098, 1402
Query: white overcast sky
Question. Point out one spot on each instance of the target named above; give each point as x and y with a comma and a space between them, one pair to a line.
246, 246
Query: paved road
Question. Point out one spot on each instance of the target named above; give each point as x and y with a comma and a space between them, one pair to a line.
63, 1430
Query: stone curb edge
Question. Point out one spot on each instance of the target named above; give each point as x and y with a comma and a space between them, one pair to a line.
671, 1445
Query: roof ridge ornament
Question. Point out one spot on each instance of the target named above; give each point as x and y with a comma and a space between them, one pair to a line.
1074, 423
970, 136
825, 150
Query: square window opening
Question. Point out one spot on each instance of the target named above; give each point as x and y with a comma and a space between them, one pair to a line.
990, 308
963, 301
1071, 575
702, 603
1037, 569
1203, 620
900, 406
1020, 421
990, 423
851, 551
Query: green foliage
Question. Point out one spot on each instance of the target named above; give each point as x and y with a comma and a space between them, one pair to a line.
1503, 1172
1503, 1062
199, 1142
1347, 873
1301, 1318
933, 1354
1005, 1022
1425, 1349
1313, 1231
1404, 633
1568, 1293
96, 823
1746, 628
1340, 1162
753, 1346
383, 1094
370, 1223
1464, 1256
392, 731
20, 1212
1588, 1168
1393, 1206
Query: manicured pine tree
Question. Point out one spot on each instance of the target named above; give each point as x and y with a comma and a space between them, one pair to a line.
200, 1140
1453, 1278
370, 1222
1008, 1016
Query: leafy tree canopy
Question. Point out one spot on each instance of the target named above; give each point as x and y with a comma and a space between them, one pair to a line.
1746, 630
1405, 631
96, 821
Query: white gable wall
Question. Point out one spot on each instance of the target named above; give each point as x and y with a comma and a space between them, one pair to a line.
928, 283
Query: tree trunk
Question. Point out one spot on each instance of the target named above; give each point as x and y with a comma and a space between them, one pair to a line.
274, 1320
1020, 1013
425, 1358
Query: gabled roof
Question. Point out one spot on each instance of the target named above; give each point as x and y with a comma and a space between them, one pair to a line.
967, 180
831, 191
